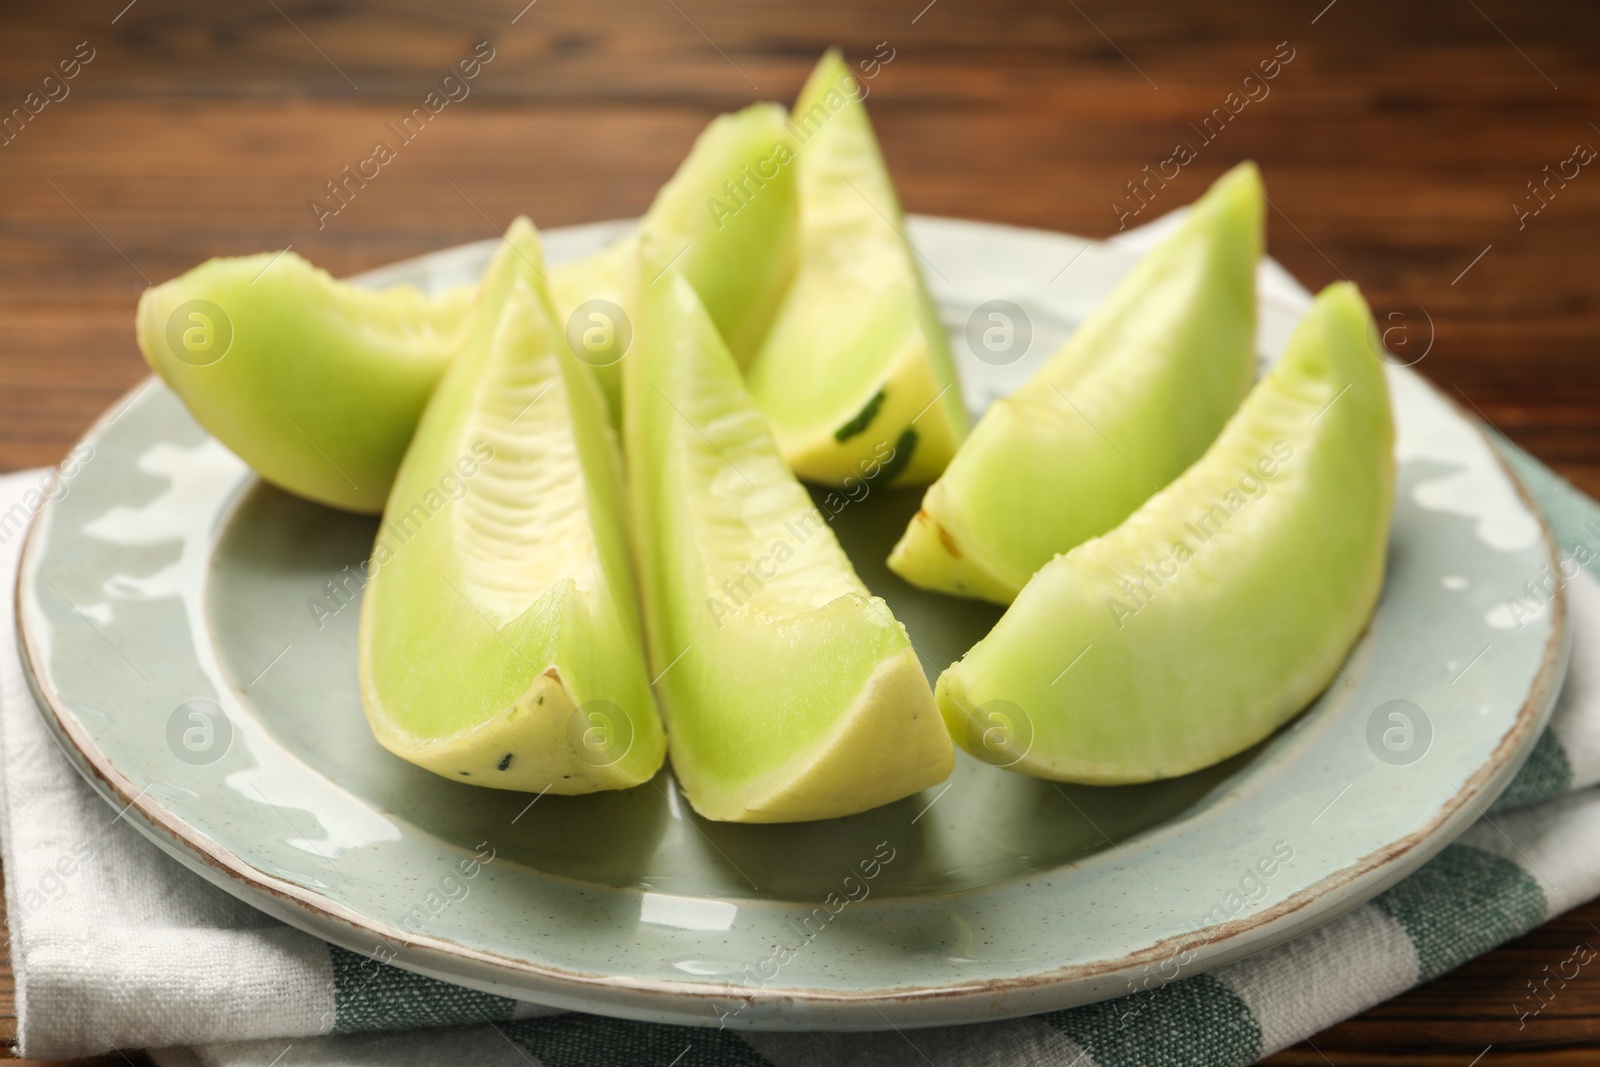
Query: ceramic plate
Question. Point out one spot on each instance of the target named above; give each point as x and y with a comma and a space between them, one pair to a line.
191, 632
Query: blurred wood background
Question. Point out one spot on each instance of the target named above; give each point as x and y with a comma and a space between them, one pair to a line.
1405, 146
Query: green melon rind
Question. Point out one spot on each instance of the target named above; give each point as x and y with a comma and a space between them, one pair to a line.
805, 701
1197, 659
856, 335
1133, 397
323, 382
468, 667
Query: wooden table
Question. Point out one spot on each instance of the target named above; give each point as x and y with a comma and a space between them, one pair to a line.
1398, 141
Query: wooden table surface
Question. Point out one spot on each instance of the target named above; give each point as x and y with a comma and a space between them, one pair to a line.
1398, 143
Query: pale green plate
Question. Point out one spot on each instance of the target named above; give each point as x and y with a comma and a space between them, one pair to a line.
168, 574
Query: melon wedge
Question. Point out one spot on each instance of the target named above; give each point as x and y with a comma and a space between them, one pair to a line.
855, 376
726, 220
1223, 605
317, 384
500, 640
790, 692
1134, 397
588, 295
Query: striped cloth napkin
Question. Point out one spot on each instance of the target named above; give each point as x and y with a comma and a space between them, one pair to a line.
115, 945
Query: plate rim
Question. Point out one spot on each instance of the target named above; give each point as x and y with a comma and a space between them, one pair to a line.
669, 1001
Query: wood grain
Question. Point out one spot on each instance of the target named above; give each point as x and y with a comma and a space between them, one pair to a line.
1394, 144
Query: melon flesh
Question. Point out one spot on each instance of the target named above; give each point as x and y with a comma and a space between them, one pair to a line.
1135, 396
500, 639
1223, 605
790, 692
855, 376
726, 220
607, 275
316, 383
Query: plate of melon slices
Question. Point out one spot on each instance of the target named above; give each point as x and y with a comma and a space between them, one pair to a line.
779, 612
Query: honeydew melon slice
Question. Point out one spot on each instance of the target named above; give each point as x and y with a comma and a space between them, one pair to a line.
1135, 396
316, 383
591, 296
790, 692
1223, 605
726, 220
855, 376
500, 640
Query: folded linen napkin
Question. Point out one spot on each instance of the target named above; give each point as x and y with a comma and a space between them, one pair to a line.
113, 944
